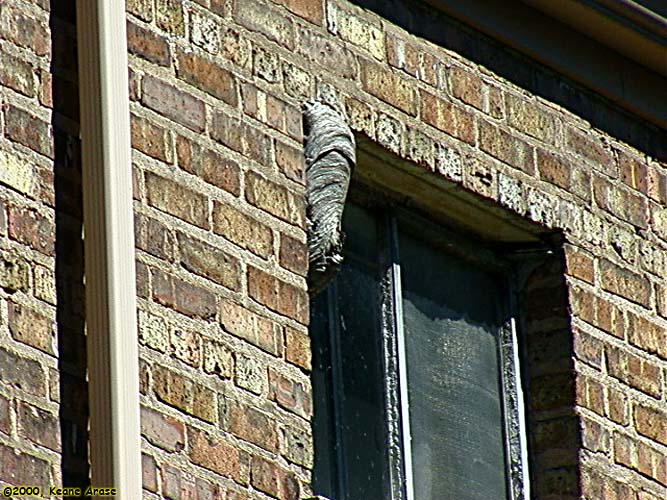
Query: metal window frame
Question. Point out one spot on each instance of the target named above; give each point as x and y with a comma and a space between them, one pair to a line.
393, 357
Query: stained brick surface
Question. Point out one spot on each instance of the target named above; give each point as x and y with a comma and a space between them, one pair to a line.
217, 89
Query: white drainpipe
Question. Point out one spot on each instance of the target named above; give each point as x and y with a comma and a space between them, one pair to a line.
113, 359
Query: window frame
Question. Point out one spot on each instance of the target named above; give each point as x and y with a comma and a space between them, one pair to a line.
393, 350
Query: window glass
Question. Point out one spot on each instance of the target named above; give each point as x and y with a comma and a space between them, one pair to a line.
451, 320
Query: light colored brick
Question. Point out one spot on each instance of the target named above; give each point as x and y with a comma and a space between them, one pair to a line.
250, 374
356, 30
153, 331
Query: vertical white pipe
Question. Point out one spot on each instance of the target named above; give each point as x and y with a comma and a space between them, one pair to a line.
113, 370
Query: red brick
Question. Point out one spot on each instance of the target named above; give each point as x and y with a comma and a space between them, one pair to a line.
445, 116
184, 393
154, 237
278, 295
290, 394
22, 30
207, 76
17, 74
467, 87
210, 262
290, 161
162, 430
38, 426
273, 480
5, 421
388, 87
588, 349
242, 230
151, 139
183, 297
256, 329
173, 103
310, 10
529, 117
579, 264
506, 147
402, 55
621, 202
179, 201
634, 172
293, 255
297, 348
243, 138
21, 469
251, 425
14, 273
593, 149
656, 185
208, 165
148, 473
634, 371
618, 406
148, 45
217, 455
625, 283
30, 327
651, 422
261, 18
143, 288
647, 335
275, 199
652, 463
553, 169
31, 228
29, 130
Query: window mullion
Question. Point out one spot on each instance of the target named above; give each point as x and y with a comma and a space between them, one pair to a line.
398, 327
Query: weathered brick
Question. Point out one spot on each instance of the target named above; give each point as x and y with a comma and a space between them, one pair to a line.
293, 255
30, 327
184, 393
5, 421
162, 430
274, 112
143, 9
208, 165
310, 10
22, 373
388, 87
250, 374
588, 348
618, 406
218, 359
216, 454
266, 64
21, 469
532, 119
236, 48
297, 348
179, 201
39, 426
402, 54
17, 74
633, 172
277, 295
360, 116
290, 394
579, 264
595, 436
327, 52
652, 463
207, 76
31, 228
173, 103
290, 161
242, 229
251, 425
148, 473
625, 283
275, 199
210, 262
29, 130
204, 31
262, 18
24, 31
447, 117
356, 30
169, 16
183, 297
622, 202
659, 221
507, 148
647, 335
553, 169
14, 273
151, 139
270, 478
154, 237
153, 331
242, 137
186, 346
299, 445
634, 371
651, 422
593, 149
252, 327
467, 87
148, 45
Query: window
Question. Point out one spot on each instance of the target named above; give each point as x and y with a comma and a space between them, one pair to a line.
415, 376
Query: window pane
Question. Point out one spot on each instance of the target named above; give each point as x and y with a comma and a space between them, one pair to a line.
451, 320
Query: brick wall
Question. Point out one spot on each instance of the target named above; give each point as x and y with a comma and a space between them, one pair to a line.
216, 88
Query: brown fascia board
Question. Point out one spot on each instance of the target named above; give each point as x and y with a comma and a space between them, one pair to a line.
629, 82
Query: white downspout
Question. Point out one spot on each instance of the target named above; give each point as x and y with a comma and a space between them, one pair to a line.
113, 358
